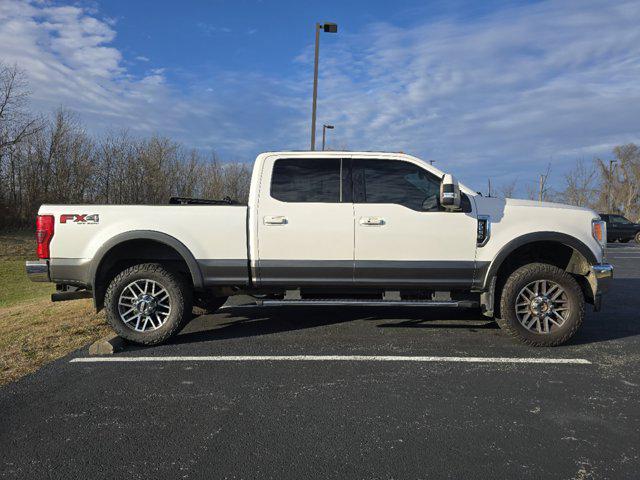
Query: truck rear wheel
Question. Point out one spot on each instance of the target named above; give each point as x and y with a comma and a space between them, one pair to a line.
541, 305
147, 303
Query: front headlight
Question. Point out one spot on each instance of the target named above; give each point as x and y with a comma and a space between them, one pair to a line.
599, 232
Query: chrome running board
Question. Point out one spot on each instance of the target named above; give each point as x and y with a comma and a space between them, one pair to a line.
349, 302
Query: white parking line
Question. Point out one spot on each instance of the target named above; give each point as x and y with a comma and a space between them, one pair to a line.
330, 358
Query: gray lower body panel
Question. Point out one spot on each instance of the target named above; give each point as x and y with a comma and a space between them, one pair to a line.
415, 273
305, 272
70, 271
224, 272
426, 274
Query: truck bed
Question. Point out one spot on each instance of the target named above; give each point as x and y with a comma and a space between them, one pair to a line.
216, 235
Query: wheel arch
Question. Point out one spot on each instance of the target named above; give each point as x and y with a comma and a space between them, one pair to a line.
110, 252
559, 249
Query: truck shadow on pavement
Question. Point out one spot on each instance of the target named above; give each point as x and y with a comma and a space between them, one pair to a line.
619, 319
238, 322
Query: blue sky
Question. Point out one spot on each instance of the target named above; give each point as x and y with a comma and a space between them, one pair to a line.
487, 89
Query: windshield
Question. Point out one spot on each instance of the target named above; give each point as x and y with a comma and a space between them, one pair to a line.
620, 219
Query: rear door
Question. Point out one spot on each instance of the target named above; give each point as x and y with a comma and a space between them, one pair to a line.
402, 236
305, 222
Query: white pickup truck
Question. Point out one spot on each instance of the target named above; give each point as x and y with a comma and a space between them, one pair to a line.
331, 228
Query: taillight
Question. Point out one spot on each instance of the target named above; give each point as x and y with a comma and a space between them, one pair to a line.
44, 234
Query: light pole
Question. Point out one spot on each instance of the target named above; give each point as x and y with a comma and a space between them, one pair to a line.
327, 27
324, 133
611, 164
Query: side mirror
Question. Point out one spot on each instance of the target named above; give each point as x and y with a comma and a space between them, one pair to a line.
449, 193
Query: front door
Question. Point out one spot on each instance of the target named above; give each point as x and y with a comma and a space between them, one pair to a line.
402, 235
305, 223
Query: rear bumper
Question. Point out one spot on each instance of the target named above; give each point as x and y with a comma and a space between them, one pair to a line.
600, 278
38, 271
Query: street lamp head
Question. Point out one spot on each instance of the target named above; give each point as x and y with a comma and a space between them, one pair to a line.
330, 127
329, 27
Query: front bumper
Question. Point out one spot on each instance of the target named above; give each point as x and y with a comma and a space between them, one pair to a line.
600, 277
38, 271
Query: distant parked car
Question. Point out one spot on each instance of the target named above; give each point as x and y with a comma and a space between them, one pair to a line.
621, 228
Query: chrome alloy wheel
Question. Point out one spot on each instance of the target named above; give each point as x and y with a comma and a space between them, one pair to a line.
542, 306
144, 305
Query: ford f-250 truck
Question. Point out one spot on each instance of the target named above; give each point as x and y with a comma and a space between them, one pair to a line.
331, 228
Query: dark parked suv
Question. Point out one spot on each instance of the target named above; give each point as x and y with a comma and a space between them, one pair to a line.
621, 228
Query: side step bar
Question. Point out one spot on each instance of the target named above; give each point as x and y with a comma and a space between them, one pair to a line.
339, 302
70, 295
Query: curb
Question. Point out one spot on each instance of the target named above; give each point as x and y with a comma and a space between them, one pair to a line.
107, 345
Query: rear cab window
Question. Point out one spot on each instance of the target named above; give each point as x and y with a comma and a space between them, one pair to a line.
305, 180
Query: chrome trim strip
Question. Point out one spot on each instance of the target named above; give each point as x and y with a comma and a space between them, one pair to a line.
37, 271
358, 303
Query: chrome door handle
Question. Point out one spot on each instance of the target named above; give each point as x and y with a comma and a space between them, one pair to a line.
275, 220
371, 221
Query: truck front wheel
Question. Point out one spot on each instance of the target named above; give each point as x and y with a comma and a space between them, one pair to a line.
541, 305
148, 303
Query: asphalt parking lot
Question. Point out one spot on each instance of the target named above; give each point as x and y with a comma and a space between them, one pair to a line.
566, 412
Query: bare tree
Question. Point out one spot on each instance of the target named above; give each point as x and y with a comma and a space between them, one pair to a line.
581, 185
54, 160
15, 122
620, 186
540, 189
507, 190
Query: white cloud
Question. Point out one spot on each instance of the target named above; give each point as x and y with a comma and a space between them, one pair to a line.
500, 95
68, 56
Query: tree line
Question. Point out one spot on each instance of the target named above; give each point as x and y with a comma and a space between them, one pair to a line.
604, 185
52, 159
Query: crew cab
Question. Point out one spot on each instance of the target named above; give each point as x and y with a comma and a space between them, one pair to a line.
331, 228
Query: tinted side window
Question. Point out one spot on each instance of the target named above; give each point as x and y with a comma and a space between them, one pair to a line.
306, 180
391, 181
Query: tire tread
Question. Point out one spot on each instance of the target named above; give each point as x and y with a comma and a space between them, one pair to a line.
183, 297
547, 271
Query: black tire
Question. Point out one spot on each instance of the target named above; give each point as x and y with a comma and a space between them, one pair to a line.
637, 237
521, 278
180, 298
206, 305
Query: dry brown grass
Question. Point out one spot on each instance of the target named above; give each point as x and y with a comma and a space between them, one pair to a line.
18, 245
33, 330
36, 332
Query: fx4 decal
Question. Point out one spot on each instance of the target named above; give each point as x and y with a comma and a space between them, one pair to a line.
80, 218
